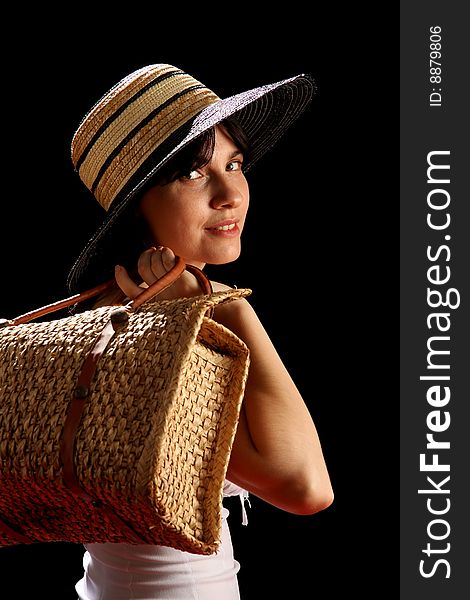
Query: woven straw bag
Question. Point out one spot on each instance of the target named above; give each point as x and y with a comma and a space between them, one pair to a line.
116, 423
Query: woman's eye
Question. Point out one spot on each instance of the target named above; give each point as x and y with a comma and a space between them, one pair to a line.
191, 175
235, 165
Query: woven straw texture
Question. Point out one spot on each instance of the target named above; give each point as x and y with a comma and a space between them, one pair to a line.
156, 432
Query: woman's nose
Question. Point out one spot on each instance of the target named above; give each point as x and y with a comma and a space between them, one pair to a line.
228, 192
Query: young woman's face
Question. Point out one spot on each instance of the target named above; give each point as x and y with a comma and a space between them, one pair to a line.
201, 216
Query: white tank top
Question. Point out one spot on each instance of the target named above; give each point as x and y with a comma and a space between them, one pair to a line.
148, 572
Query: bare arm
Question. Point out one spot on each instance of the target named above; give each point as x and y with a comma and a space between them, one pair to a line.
276, 453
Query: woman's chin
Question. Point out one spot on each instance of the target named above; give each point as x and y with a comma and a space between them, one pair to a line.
226, 257
223, 256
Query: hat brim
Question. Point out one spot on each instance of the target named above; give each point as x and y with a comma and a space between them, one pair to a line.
264, 113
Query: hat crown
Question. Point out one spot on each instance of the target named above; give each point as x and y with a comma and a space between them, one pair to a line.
130, 122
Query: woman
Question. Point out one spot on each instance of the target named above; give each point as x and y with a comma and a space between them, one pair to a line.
167, 159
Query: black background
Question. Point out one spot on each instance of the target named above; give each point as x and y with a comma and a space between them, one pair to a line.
317, 252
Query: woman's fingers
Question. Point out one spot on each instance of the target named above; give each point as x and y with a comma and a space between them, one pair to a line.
154, 263
147, 266
168, 258
127, 285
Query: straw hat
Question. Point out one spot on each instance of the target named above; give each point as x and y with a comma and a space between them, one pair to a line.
143, 121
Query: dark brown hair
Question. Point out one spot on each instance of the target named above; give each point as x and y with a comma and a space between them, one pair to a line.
197, 154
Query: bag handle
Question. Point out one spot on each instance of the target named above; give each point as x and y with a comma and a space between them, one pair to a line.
155, 288
170, 277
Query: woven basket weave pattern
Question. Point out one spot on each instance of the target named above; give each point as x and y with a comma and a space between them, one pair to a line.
153, 443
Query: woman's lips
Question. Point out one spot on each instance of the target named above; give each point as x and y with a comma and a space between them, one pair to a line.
227, 228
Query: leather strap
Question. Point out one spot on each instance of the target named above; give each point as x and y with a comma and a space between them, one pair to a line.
170, 277
159, 285
77, 404
205, 284
44, 310
165, 281
202, 278
72, 422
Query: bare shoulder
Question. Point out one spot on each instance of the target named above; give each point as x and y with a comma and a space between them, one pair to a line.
235, 315
220, 287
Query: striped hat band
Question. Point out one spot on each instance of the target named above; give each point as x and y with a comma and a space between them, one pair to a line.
130, 123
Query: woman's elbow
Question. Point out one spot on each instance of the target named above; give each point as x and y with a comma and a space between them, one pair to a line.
311, 497
317, 502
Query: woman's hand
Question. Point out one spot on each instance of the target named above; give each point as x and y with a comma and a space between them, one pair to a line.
152, 265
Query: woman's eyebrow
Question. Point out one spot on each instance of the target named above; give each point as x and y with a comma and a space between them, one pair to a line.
236, 152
